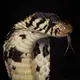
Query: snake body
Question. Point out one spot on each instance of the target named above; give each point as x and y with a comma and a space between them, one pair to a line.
26, 49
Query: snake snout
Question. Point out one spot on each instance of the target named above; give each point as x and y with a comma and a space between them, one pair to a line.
68, 29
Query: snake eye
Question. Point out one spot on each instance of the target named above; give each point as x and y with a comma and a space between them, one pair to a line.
57, 30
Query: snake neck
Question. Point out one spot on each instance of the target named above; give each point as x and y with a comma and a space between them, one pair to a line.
19, 48
24, 41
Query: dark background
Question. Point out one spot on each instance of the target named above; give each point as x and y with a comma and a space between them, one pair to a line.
62, 67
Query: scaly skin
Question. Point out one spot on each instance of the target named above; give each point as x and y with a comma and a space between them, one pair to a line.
21, 60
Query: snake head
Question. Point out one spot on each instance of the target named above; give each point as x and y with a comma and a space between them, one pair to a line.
62, 29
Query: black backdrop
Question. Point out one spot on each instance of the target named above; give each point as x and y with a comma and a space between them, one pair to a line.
62, 67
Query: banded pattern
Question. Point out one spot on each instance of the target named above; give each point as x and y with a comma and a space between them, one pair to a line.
27, 50
45, 23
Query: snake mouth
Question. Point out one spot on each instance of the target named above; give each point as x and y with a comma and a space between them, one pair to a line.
61, 34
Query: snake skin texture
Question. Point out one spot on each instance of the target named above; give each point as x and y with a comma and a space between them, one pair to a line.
27, 48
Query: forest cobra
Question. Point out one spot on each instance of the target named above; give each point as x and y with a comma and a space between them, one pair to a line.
26, 56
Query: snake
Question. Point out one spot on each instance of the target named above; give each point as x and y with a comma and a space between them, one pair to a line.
26, 50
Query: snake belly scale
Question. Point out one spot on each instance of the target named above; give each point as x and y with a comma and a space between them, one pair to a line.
26, 57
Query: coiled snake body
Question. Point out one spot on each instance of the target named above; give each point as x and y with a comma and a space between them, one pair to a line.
27, 50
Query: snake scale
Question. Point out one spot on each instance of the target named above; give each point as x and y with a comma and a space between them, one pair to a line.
26, 48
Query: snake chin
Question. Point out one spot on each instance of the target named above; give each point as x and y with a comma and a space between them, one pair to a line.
61, 35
